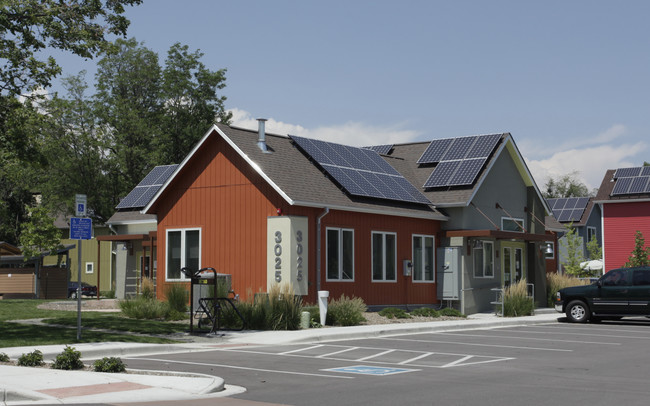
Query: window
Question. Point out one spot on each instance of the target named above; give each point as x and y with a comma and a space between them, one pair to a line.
591, 233
340, 254
484, 260
512, 224
183, 250
384, 257
90, 267
423, 258
641, 278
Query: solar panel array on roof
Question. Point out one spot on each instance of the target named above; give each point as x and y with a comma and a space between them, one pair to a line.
459, 160
631, 181
568, 209
381, 149
142, 194
360, 171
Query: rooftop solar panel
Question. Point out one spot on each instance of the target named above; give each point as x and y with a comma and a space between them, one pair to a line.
361, 172
435, 151
441, 174
142, 194
627, 172
459, 148
568, 209
622, 186
381, 149
645, 171
638, 185
483, 146
467, 172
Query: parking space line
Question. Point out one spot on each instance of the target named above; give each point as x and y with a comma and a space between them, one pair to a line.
376, 355
527, 338
408, 361
459, 361
591, 329
593, 334
475, 344
337, 352
301, 349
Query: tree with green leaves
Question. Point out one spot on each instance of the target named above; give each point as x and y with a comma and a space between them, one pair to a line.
594, 250
574, 253
566, 185
640, 254
39, 236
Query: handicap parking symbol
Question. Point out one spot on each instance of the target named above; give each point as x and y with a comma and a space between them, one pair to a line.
371, 370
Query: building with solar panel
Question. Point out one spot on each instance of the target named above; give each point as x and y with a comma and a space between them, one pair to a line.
624, 197
440, 223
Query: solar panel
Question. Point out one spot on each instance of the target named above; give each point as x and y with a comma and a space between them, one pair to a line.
360, 171
622, 186
645, 171
638, 184
459, 148
483, 146
566, 209
142, 194
576, 214
467, 172
381, 149
627, 172
441, 175
435, 151
561, 202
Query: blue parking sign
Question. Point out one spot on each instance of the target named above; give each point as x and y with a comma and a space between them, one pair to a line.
81, 228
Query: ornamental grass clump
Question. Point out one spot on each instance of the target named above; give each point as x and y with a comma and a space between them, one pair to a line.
346, 311
516, 301
277, 309
555, 282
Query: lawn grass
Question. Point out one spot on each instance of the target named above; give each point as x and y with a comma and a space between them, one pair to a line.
15, 334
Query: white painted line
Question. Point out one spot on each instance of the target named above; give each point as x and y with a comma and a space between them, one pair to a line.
586, 334
527, 338
338, 352
274, 371
479, 362
376, 355
408, 361
458, 361
301, 349
594, 332
474, 344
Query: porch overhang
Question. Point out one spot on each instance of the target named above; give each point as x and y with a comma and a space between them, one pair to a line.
123, 237
499, 235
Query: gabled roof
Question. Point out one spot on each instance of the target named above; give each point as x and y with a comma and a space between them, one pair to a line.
607, 194
297, 179
404, 158
8, 249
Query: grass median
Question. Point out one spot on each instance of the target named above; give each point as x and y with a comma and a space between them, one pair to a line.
117, 327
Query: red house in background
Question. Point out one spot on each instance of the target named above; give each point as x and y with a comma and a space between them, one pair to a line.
624, 196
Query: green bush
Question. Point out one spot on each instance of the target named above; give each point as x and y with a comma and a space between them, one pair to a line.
69, 359
148, 290
516, 301
4, 357
143, 308
109, 364
32, 359
394, 313
347, 311
108, 294
177, 297
425, 312
555, 282
277, 310
451, 312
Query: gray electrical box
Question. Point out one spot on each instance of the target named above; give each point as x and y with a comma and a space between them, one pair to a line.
448, 275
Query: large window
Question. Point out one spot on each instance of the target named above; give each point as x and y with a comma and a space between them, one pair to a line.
423, 258
384, 257
591, 233
512, 224
340, 254
484, 260
183, 250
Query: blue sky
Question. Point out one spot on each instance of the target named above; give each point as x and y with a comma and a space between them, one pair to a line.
569, 79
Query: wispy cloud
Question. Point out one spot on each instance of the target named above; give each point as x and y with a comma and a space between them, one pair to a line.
351, 133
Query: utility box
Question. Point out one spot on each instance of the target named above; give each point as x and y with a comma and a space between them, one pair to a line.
448, 273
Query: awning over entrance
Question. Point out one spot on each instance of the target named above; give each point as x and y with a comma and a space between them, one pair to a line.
499, 234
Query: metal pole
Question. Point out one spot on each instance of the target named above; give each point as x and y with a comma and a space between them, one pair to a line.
79, 290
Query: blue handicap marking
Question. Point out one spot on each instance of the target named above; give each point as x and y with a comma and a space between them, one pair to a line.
371, 370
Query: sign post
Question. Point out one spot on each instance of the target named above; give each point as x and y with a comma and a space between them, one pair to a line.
81, 228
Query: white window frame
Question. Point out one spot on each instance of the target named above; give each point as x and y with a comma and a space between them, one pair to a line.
519, 221
591, 231
483, 248
183, 232
340, 231
433, 256
383, 256
90, 269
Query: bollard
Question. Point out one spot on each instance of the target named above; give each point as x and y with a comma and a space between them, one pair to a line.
322, 304
305, 319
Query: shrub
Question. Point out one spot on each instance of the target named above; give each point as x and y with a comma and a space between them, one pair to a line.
108, 294
516, 301
109, 364
69, 359
394, 313
32, 359
4, 357
347, 311
177, 297
143, 308
279, 309
555, 282
147, 289
450, 312
425, 312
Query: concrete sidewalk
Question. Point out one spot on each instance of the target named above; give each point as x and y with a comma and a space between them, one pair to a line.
22, 385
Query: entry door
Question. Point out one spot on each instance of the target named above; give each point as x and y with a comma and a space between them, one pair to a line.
513, 267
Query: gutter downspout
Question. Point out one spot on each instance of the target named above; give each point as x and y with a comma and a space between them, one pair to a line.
318, 247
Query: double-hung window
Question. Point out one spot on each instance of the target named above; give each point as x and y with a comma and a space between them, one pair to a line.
340, 254
384, 257
484, 260
183, 250
423, 258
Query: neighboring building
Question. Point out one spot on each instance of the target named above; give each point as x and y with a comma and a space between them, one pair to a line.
583, 215
406, 228
624, 197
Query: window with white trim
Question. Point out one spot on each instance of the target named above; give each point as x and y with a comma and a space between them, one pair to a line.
183, 250
591, 233
513, 224
484, 260
90, 267
340, 254
424, 259
384, 257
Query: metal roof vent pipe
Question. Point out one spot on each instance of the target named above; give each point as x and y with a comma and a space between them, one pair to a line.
261, 135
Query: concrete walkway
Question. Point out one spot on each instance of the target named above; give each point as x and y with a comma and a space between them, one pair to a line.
28, 386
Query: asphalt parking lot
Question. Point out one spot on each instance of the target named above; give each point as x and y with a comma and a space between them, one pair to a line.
542, 364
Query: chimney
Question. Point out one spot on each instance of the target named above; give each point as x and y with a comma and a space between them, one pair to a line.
261, 135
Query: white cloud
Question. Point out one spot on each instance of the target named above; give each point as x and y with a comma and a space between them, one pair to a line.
351, 133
